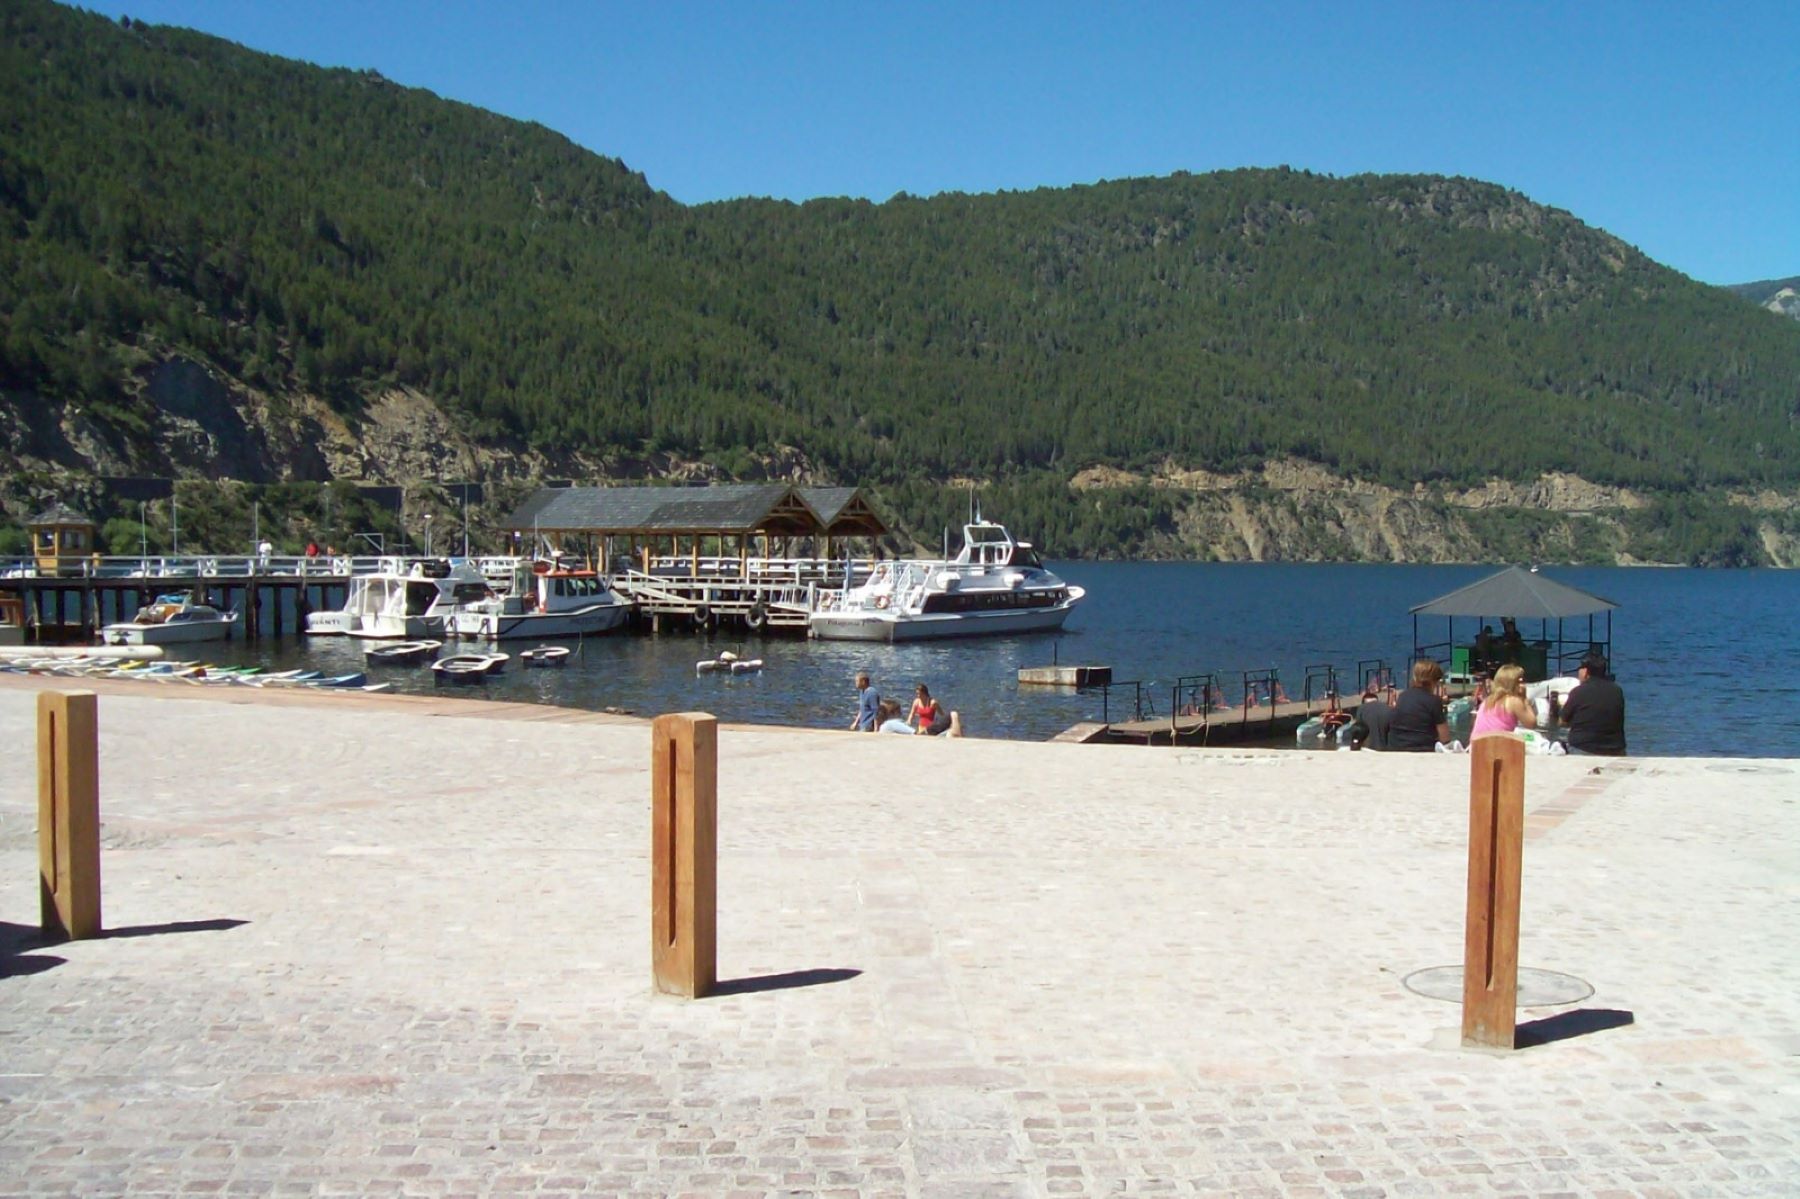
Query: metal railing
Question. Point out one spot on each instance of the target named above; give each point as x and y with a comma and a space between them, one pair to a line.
1132, 692
218, 566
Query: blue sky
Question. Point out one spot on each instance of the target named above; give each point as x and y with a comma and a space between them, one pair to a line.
1670, 126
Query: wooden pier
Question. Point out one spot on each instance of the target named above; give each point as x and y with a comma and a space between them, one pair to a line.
1255, 725
78, 597
70, 601
757, 594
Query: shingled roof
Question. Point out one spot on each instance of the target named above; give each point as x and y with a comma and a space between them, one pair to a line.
1518, 593
59, 514
722, 508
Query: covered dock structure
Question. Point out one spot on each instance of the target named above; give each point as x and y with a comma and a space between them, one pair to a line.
749, 552
1582, 625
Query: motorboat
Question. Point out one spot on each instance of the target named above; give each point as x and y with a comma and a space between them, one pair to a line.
547, 599
403, 601
545, 655
169, 620
402, 653
994, 585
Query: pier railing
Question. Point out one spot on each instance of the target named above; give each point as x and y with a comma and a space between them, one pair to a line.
216, 566
1127, 695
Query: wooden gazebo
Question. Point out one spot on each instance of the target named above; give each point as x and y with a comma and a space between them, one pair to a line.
721, 514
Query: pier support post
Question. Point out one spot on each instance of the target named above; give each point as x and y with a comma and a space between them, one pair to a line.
68, 814
684, 767
1496, 865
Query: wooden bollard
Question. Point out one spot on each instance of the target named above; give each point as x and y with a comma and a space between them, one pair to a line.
68, 814
684, 852
1496, 860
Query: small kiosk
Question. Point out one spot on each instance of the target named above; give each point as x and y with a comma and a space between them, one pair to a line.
1504, 599
60, 537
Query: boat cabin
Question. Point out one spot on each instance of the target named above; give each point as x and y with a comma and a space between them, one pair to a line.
992, 545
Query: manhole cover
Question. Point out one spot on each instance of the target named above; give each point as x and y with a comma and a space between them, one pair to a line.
1537, 988
1749, 768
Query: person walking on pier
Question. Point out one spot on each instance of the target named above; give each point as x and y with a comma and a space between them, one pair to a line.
868, 703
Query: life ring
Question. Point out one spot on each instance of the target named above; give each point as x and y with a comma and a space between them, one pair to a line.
881, 601
757, 617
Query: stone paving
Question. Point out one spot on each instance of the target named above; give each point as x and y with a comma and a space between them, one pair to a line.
399, 946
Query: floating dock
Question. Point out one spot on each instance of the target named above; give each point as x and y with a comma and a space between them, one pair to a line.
1065, 676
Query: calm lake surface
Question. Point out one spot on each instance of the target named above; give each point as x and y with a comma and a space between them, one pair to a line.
1708, 659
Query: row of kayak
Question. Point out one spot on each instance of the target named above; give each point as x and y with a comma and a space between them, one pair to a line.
196, 673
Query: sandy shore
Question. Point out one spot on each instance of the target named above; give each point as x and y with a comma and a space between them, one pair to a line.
399, 945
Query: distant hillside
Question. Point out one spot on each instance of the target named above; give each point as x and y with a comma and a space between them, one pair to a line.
1777, 295
219, 263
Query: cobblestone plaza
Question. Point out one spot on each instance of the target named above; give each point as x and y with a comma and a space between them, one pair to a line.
392, 945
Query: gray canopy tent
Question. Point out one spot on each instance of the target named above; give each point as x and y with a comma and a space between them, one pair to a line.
1516, 594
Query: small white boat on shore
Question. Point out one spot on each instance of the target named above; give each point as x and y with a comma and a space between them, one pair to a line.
172, 619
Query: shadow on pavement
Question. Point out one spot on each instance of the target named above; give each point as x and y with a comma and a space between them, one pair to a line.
18, 941
174, 926
781, 982
1564, 1025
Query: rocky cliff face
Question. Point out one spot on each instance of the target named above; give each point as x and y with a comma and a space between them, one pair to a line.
209, 426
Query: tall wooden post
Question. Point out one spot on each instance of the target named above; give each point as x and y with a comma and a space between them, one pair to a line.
68, 814
684, 770
1496, 860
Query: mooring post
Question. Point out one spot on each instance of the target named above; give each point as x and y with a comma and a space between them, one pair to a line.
68, 814
1496, 860
684, 772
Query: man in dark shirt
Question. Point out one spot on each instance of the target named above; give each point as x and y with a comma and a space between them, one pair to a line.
1370, 731
1594, 713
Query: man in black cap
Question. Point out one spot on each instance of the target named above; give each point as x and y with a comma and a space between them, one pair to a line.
1594, 713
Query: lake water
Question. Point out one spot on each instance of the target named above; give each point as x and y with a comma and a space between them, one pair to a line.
1708, 659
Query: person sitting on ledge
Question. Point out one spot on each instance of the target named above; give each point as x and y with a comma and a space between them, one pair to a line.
1594, 713
890, 722
1419, 723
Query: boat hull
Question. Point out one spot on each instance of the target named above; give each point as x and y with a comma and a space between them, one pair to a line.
159, 634
585, 622
886, 626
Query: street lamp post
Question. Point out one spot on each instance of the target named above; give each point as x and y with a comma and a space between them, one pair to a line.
428, 534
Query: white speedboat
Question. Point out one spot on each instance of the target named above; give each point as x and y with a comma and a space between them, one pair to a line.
546, 600
993, 585
403, 602
171, 619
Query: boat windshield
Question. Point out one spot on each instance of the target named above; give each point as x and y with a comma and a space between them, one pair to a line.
420, 595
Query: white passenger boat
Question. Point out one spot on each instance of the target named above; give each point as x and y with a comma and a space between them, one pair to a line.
546, 600
409, 602
994, 585
171, 619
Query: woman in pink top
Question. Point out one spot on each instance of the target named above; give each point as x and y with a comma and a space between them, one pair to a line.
1506, 707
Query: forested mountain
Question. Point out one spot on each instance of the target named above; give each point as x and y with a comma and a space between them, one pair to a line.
223, 263
1777, 295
